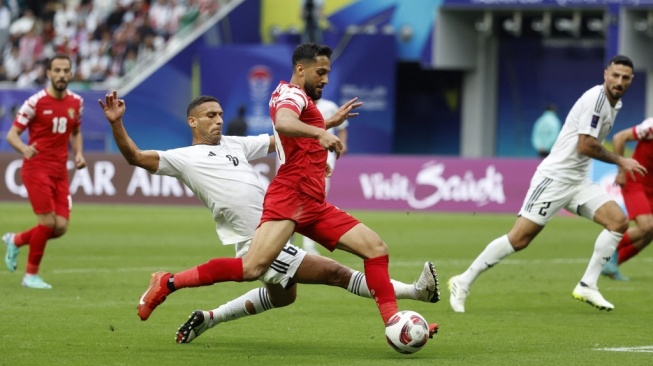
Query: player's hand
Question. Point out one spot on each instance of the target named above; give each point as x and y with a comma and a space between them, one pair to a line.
329, 170
80, 162
30, 151
631, 167
345, 111
344, 150
330, 141
113, 107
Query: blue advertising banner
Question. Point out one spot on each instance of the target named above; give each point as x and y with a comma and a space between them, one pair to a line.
247, 75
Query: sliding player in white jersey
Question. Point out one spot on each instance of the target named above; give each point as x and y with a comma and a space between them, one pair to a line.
217, 169
328, 109
561, 181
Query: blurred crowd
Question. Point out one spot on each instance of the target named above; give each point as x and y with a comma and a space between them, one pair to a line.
105, 39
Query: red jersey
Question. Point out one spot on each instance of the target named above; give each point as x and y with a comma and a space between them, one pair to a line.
49, 122
303, 159
643, 153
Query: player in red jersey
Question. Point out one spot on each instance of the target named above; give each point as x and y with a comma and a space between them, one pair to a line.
637, 194
52, 118
294, 201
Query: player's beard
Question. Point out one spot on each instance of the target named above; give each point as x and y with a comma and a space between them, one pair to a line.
616, 94
55, 85
311, 91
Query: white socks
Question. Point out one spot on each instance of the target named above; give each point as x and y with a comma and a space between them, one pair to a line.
358, 286
236, 308
259, 298
493, 253
604, 248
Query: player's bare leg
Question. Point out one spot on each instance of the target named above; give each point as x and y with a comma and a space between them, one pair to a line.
269, 239
367, 244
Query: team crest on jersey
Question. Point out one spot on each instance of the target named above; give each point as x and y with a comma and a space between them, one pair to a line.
71, 113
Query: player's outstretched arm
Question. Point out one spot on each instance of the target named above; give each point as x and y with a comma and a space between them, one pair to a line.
590, 146
114, 109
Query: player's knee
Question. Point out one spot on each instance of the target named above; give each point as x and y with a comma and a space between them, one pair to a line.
378, 248
618, 224
647, 228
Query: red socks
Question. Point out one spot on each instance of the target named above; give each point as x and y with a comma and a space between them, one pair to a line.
39, 236
24, 238
378, 281
626, 253
626, 249
213, 271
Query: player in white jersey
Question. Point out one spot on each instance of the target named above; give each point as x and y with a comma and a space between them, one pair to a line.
328, 109
561, 181
217, 169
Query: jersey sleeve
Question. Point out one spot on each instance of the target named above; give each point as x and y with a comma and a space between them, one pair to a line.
644, 130
25, 114
292, 98
255, 147
592, 118
170, 163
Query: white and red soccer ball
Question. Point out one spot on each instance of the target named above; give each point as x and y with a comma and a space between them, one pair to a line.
407, 331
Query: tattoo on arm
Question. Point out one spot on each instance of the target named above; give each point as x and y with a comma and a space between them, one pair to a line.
593, 149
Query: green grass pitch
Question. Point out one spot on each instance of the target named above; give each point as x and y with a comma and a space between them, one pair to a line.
519, 313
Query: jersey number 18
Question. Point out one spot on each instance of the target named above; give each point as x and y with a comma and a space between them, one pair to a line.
59, 124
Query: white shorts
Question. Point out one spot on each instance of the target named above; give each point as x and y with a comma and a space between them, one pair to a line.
546, 197
283, 268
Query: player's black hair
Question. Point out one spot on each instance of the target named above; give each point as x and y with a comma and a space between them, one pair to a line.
621, 60
58, 56
198, 101
310, 51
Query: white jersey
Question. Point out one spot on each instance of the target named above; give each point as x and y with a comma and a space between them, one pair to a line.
328, 109
222, 178
591, 115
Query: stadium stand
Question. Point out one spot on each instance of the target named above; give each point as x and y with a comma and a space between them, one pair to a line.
106, 39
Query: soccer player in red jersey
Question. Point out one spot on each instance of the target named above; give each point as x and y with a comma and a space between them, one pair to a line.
295, 200
637, 194
52, 118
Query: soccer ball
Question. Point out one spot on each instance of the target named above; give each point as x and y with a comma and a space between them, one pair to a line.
407, 331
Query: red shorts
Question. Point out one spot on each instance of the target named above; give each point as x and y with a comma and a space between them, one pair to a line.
638, 200
318, 220
47, 193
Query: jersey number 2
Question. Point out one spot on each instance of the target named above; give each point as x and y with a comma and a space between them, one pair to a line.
59, 124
